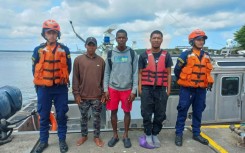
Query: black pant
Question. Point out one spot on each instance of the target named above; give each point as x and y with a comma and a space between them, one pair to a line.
153, 101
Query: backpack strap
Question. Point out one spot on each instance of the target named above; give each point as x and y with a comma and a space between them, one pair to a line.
109, 54
132, 56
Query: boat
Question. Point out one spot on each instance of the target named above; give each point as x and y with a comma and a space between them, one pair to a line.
241, 52
223, 114
224, 106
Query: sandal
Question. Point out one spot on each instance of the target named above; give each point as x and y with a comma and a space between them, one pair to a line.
113, 142
127, 142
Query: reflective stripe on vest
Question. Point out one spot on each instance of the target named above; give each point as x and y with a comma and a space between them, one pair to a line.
52, 67
155, 74
196, 73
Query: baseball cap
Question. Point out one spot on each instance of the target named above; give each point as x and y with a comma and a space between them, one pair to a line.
91, 40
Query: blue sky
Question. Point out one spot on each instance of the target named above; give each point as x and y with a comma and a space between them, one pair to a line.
21, 21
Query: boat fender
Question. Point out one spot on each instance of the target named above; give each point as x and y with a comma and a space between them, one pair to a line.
53, 121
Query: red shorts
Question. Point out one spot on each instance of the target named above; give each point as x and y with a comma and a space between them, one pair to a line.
116, 96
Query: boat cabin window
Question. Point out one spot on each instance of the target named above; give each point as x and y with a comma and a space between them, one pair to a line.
174, 86
230, 86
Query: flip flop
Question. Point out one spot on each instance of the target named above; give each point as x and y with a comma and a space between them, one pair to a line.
113, 142
127, 142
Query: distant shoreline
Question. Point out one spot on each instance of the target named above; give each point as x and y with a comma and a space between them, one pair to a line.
20, 51
15, 51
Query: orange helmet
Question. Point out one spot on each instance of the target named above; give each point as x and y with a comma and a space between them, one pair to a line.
50, 25
196, 33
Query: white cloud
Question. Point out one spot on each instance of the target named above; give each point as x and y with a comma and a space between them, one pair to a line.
22, 20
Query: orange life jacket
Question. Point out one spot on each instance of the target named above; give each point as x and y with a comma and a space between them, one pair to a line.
155, 74
52, 67
196, 73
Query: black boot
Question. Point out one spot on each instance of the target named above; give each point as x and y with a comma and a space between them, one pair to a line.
41, 146
201, 139
178, 140
63, 146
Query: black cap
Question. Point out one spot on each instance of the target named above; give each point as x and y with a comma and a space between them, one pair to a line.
91, 40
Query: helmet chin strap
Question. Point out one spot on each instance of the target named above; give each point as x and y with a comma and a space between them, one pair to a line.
52, 43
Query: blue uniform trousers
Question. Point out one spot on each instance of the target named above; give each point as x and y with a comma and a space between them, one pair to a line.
188, 96
59, 96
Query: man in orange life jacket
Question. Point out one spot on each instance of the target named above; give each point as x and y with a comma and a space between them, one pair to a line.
154, 78
51, 68
193, 72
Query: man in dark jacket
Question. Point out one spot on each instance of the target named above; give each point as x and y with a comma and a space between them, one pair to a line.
87, 86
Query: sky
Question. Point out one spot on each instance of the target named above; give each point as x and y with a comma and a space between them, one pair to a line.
21, 21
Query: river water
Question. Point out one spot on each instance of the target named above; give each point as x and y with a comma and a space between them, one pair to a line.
16, 70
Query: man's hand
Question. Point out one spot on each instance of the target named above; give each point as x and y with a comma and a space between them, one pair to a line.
103, 99
210, 86
107, 96
131, 97
78, 100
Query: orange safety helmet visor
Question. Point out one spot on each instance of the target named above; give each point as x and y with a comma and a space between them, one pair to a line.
50, 25
196, 33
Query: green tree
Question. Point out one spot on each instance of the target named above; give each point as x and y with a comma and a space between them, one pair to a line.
240, 36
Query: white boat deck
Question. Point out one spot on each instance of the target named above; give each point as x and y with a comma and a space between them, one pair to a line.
222, 141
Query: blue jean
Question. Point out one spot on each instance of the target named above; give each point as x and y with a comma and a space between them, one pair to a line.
59, 95
188, 96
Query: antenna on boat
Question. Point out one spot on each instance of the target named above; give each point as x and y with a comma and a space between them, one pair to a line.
134, 43
76, 33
